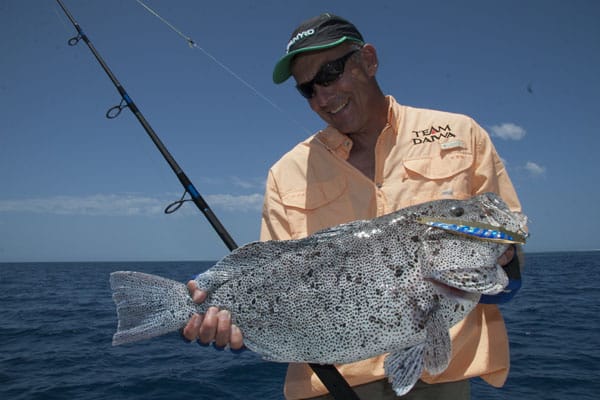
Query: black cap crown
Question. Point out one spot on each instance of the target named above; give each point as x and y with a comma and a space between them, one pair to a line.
320, 32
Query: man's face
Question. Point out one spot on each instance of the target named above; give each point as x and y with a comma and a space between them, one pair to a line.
344, 103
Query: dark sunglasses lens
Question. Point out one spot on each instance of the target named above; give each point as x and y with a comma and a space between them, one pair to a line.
306, 89
327, 74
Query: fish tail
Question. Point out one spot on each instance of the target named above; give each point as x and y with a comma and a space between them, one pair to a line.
148, 306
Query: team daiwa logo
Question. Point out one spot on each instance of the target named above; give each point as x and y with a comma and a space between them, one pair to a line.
299, 36
432, 134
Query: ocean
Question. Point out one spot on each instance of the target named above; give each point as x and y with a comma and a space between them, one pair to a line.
57, 320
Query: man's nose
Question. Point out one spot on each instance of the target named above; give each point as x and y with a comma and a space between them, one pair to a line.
322, 95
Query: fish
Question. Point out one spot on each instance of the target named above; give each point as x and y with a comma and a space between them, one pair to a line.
390, 285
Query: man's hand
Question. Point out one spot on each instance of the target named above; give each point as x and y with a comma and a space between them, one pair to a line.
506, 257
214, 326
510, 262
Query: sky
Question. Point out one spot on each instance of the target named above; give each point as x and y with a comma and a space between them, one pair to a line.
76, 186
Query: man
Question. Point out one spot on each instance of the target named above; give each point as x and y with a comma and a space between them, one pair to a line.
374, 157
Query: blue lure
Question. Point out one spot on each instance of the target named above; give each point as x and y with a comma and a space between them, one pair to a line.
476, 230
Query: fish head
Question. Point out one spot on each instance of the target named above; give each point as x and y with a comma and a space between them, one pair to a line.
464, 239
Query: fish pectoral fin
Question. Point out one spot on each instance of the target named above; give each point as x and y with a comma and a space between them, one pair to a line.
438, 347
403, 368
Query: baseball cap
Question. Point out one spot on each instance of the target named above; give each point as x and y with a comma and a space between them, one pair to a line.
317, 33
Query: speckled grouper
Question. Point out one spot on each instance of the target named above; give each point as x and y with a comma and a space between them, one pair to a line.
394, 284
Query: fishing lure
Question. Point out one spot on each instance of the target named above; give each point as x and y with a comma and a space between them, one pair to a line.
476, 230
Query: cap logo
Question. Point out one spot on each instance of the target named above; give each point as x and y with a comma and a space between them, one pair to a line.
299, 36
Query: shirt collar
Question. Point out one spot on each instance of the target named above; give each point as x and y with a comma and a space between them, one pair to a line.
341, 144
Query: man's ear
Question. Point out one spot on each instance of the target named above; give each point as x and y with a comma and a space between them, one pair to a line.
370, 60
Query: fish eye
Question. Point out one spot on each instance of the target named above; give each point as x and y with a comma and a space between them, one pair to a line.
457, 211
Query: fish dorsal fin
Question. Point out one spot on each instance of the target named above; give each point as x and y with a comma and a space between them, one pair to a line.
403, 368
438, 347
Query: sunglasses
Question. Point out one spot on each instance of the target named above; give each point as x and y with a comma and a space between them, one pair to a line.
327, 74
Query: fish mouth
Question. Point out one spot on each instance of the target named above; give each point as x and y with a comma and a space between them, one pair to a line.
454, 293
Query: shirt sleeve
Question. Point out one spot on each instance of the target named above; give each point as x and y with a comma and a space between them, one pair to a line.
489, 173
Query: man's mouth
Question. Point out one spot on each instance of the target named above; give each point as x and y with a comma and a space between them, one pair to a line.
338, 108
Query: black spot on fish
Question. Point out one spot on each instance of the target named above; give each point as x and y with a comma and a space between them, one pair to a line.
457, 211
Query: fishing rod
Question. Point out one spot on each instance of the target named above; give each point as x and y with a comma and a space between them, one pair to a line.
328, 374
127, 102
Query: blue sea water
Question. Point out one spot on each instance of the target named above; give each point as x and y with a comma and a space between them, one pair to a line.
57, 319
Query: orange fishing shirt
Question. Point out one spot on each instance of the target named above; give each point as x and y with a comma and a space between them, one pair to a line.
421, 155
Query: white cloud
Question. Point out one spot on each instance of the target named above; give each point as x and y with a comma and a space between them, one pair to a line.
251, 183
508, 131
250, 202
123, 204
95, 205
534, 169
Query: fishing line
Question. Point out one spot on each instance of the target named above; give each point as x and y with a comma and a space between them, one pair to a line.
192, 44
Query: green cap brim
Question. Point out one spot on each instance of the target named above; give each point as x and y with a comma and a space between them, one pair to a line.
282, 71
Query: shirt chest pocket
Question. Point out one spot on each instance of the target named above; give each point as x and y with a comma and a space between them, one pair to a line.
440, 175
319, 206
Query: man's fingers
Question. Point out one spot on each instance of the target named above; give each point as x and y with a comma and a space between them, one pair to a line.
236, 340
214, 326
208, 329
507, 256
198, 296
223, 331
190, 331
